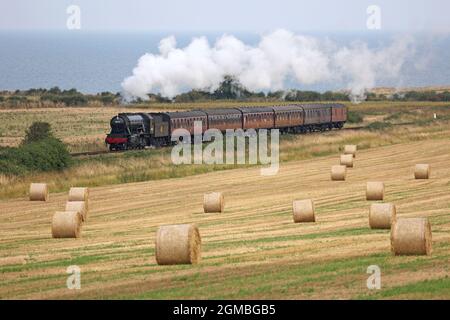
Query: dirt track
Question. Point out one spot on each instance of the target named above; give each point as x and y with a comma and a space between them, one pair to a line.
253, 250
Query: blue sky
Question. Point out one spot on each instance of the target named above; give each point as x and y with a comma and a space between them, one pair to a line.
226, 16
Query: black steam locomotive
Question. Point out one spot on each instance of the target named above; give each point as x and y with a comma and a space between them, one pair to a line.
139, 130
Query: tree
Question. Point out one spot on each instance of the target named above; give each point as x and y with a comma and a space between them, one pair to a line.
54, 90
37, 131
230, 88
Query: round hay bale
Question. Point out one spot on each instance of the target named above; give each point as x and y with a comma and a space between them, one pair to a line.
338, 173
178, 244
79, 194
79, 206
303, 211
350, 149
411, 236
347, 160
38, 192
213, 202
382, 215
422, 171
375, 191
66, 224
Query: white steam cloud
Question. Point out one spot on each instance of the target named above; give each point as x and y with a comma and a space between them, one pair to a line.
279, 57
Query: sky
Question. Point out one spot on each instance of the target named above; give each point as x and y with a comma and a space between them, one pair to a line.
226, 16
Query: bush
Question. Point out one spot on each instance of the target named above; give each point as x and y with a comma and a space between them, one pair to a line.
354, 117
17, 100
106, 100
37, 131
43, 155
69, 99
377, 125
9, 168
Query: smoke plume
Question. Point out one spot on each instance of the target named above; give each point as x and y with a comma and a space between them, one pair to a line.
278, 58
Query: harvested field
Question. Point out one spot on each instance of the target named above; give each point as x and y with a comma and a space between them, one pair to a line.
253, 249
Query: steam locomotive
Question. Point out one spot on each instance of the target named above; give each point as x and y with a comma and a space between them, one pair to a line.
139, 130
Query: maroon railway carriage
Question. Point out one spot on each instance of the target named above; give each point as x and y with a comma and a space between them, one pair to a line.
257, 117
286, 117
223, 119
185, 120
338, 115
317, 117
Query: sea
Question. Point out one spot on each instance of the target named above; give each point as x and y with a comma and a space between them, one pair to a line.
94, 62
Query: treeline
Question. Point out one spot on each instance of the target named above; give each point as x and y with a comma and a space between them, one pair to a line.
422, 96
229, 89
56, 97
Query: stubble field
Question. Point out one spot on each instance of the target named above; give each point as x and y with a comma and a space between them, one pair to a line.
253, 250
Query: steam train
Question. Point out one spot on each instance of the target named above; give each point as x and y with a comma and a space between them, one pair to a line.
139, 130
